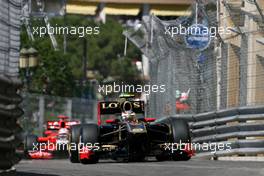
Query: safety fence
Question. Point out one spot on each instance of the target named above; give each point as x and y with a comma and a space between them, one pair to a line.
40, 108
229, 73
238, 132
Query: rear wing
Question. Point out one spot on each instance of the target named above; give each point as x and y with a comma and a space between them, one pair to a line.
56, 125
114, 107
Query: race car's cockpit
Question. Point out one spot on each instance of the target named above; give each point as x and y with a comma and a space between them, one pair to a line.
129, 116
126, 109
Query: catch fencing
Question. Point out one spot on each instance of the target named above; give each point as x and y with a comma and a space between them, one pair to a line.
41, 108
229, 73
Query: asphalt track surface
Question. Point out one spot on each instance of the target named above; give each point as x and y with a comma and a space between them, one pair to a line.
151, 168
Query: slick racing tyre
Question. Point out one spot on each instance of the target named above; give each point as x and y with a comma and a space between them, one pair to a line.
74, 140
31, 143
89, 136
180, 131
180, 156
180, 134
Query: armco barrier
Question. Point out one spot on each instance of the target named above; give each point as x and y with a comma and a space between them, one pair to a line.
239, 131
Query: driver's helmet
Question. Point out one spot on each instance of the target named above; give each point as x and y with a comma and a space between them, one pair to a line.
63, 130
63, 134
128, 115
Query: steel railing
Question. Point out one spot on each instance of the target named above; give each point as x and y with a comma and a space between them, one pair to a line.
241, 128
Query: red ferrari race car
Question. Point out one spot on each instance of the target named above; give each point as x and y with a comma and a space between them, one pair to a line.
123, 133
54, 141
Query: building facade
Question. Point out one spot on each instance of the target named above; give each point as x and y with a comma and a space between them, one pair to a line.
242, 81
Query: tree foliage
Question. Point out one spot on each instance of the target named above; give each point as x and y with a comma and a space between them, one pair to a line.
59, 73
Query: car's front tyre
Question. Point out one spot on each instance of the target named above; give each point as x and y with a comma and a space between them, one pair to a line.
89, 137
74, 140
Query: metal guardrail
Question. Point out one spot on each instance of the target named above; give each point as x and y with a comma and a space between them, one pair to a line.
241, 128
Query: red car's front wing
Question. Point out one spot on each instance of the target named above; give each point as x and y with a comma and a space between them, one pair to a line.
45, 150
40, 155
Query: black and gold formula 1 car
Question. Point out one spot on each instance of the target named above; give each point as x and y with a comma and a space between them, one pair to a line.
123, 133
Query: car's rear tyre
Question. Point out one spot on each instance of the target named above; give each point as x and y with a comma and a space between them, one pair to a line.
74, 140
180, 134
30, 144
180, 156
89, 136
180, 131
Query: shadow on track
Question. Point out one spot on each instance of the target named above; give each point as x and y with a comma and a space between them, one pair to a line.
33, 174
